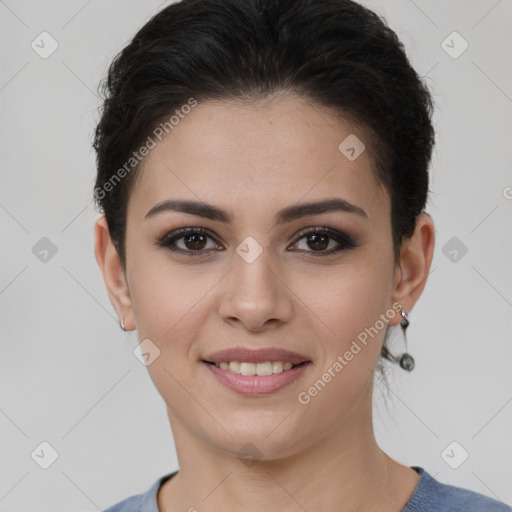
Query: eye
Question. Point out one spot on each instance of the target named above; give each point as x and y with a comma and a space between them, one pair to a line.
190, 241
318, 240
198, 241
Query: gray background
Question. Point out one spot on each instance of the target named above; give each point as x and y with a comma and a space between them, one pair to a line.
68, 375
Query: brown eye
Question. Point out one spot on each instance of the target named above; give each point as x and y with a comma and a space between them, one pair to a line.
195, 241
318, 242
189, 241
323, 242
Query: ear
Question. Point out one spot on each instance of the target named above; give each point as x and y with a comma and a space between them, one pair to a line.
413, 269
113, 273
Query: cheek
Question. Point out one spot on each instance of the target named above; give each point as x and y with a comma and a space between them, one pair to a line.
170, 304
350, 320
168, 309
166, 298
346, 304
348, 310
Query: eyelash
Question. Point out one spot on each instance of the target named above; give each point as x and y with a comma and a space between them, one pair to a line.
344, 240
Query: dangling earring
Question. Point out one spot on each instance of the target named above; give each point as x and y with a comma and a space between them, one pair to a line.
121, 323
406, 360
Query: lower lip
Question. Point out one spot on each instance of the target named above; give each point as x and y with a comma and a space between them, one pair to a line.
254, 385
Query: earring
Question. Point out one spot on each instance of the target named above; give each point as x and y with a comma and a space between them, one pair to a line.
406, 360
121, 323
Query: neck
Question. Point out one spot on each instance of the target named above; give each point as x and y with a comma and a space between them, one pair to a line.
346, 467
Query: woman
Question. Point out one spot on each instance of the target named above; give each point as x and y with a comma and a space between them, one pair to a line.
263, 174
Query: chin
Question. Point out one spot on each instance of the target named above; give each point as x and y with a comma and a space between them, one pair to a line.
259, 442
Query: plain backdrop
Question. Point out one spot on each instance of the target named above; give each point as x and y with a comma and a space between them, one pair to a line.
68, 375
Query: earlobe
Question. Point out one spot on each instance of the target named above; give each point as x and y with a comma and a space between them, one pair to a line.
415, 261
110, 265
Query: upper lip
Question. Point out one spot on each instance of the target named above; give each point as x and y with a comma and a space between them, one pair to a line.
260, 355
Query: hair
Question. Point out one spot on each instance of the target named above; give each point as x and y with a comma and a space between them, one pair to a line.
335, 53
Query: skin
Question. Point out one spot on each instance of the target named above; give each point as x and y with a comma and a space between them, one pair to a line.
254, 160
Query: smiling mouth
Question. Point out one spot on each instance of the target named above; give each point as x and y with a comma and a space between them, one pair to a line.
260, 369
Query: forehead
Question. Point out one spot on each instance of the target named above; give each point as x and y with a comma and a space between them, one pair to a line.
254, 158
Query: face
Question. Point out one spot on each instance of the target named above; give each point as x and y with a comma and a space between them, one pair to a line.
254, 278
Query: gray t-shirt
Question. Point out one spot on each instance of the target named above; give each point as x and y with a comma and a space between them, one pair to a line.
428, 496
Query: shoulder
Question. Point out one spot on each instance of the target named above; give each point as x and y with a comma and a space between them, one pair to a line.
431, 494
131, 504
145, 502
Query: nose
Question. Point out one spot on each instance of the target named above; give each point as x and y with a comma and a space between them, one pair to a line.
255, 294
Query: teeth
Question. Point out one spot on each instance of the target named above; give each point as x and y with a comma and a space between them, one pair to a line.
261, 369
277, 367
264, 368
248, 368
234, 366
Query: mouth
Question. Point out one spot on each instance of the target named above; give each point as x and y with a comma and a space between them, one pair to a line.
258, 372
261, 369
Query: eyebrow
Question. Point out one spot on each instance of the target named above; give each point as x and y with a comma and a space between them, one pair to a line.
208, 211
